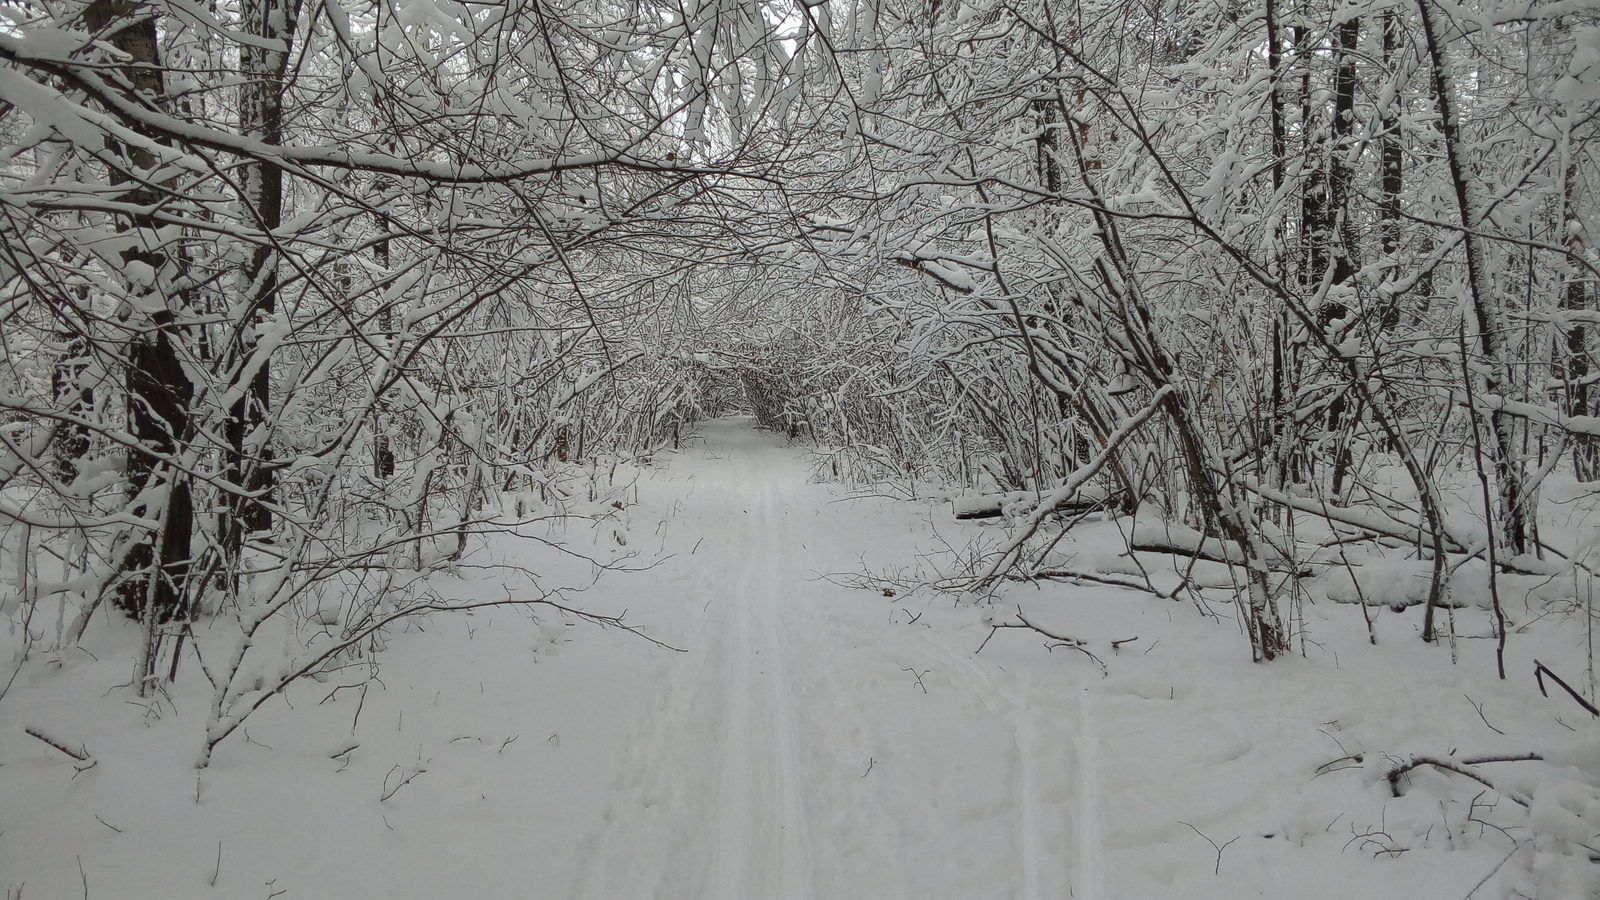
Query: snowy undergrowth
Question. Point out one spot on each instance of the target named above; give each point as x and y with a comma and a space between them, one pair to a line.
818, 740
1426, 749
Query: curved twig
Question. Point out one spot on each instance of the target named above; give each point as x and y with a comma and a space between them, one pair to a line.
1458, 766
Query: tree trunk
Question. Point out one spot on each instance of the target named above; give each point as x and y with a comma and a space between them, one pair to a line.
159, 391
1495, 380
1577, 296
262, 64
69, 441
382, 448
1392, 181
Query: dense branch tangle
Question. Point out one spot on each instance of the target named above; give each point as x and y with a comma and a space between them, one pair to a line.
294, 290
1331, 255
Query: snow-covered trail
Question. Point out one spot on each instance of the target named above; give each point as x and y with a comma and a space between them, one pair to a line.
818, 741
806, 741
720, 800
759, 822
805, 746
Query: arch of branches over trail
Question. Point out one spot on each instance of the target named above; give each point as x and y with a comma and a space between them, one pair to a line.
301, 295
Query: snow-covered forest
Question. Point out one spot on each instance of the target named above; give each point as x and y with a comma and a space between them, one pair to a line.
796, 369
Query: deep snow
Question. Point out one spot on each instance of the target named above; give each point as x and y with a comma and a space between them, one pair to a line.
811, 741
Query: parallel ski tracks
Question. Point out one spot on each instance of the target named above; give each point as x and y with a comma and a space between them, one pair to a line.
713, 800
1033, 729
763, 846
712, 804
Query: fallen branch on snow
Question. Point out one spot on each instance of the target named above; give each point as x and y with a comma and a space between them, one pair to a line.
81, 754
1459, 766
1012, 552
1179, 540
233, 705
1061, 640
1540, 670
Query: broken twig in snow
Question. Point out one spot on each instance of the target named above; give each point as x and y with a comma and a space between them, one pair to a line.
81, 754
1540, 670
1459, 766
410, 777
1479, 707
1214, 845
1061, 640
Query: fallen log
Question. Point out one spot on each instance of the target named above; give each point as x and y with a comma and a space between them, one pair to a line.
987, 507
993, 506
1181, 540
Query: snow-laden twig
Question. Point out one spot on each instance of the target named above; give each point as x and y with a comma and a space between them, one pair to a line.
1459, 766
81, 754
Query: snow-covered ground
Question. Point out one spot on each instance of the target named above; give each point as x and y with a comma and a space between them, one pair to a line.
812, 740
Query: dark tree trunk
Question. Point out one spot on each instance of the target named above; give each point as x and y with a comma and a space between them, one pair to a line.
263, 65
1393, 177
1496, 381
159, 394
1580, 402
69, 442
1325, 203
1342, 244
151, 578
382, 448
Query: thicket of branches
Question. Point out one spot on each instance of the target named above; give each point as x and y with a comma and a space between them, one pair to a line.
295, 292
1325, 240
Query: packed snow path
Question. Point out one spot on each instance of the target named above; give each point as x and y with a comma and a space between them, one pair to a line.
756, 826
768, 753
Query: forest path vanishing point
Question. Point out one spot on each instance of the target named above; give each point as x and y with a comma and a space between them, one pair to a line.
808, 746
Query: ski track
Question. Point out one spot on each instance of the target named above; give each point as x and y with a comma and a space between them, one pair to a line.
711, 803
762, 838
748, 785
1040, 721
1090, 839
795, 850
